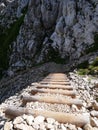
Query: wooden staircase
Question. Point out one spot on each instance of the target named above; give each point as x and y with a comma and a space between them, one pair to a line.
55, 83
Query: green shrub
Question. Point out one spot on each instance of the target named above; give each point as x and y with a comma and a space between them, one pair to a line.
83, 65
95, 62
89, 69
83, 71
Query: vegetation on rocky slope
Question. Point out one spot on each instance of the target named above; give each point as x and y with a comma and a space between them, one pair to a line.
7, 36
6, 39
85, 68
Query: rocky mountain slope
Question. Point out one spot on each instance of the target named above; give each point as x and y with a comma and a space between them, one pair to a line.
33, 32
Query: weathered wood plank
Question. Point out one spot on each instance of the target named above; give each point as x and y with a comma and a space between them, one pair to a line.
51, 100
51, 86
58, 83
76, 119
64, 92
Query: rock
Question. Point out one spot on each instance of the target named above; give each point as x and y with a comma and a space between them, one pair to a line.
23, 127
63, 127
18, 120
50, 120
62, 20
79, 128
75, 108
60, 26
95, 128
94, 113
35, 126
8, 126
21, 5
72, 127
69, 14
95, 105
42, 126
25, 116
50, 126
88, 127
2, 6
94, 122
10, 73
29, 120
39, 119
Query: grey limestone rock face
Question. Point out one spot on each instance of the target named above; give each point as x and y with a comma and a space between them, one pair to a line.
52, 28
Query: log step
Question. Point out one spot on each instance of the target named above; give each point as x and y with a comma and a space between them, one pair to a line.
51, 100
64, 92
76, 119
55, 86
59, 83
56, 79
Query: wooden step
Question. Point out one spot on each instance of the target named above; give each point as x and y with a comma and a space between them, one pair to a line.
56, 78
59, 83
51, 100
76, 119
55, 86
56, 91
67, 81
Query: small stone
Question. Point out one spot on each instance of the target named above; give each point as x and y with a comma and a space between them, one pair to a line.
29, 120
24, 117
23, 127
8, 126
95, 105
94, 122
49, 126
88, 127
94, 113
56, 123
50, 120
18, 120
39, 119
83, 109
35, 126
79, 128
72, 127
95, 128
63, 128
74, 108
42, 127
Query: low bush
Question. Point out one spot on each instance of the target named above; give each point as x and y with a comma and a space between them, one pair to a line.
89, 69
